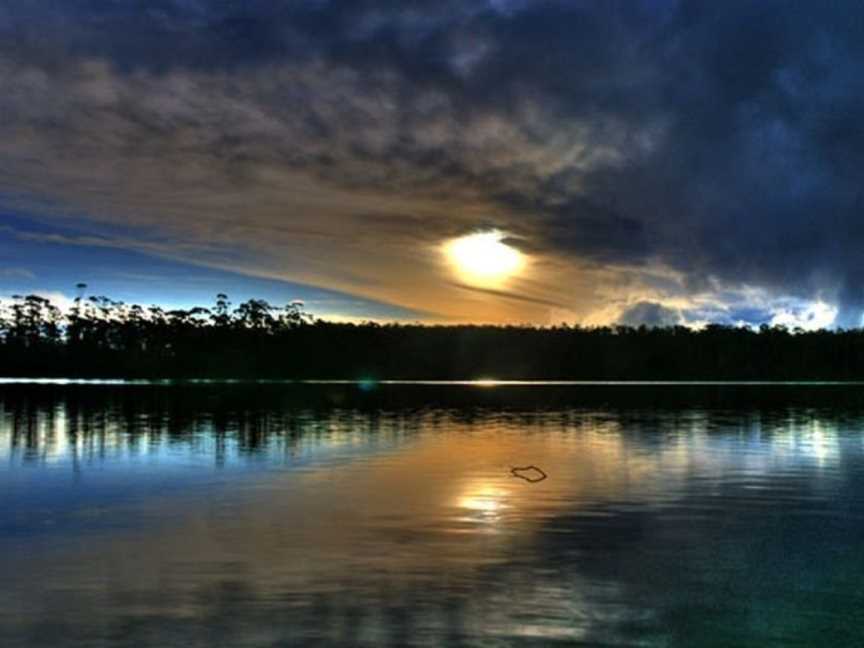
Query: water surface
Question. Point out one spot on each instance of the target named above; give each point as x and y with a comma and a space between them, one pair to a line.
363, 515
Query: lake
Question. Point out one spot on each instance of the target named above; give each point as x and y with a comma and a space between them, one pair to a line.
383, 514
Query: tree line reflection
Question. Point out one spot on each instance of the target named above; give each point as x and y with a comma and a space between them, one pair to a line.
46, 423
82, 428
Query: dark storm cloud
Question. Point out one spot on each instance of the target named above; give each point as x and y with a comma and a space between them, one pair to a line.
719, 139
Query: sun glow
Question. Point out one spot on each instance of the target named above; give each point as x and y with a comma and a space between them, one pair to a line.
483, 259
484, 503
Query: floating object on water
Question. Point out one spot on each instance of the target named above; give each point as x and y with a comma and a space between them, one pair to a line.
531, 474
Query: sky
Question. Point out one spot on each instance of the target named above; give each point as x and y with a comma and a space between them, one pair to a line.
653, 162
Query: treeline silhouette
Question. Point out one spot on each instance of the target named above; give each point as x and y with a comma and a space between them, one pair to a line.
100, 337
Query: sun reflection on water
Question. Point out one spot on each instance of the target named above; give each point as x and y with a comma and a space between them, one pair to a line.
485, 502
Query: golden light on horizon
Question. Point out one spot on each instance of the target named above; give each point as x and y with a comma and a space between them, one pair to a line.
483, 258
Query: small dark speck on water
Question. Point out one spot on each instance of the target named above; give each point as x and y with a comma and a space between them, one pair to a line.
531, 474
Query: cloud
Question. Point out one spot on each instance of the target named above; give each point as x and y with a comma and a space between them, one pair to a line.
339, 143
649, 314
16, 273
509, 295
809, 317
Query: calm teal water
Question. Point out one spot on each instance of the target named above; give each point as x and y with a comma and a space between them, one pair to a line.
365, 515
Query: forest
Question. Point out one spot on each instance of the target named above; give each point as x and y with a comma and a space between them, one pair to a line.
101, 338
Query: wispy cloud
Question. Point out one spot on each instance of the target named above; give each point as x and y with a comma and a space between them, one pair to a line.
506, 294
17, 273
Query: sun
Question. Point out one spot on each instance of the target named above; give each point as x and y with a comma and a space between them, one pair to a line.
483, 259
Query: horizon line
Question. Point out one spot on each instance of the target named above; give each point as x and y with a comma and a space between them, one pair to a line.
367, 383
